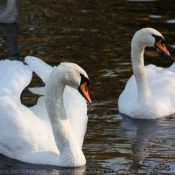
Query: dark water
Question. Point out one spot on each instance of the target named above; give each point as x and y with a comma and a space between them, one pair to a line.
96, 34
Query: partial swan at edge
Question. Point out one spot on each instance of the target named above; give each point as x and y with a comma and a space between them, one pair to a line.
9, 13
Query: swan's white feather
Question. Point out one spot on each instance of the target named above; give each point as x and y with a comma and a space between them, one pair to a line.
26, 134
42, 69
23, 136
14, 77
74, 103
76, 110
150, 92
162, 85
172, 67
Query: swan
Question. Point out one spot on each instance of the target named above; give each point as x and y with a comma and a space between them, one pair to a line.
52, 131
9, 14
150, 92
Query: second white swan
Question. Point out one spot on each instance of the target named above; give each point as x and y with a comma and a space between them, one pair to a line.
150, 92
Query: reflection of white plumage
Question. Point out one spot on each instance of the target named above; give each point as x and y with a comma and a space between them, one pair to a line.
150, 92
26, 134
9, 14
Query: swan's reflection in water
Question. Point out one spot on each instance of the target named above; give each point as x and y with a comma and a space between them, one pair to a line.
143, 129
10, 32
151, 141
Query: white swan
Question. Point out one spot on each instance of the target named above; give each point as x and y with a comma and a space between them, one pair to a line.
29, 135
150, 92
9, 14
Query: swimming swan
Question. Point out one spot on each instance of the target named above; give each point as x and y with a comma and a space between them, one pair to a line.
9, 14
52, 131
150, 92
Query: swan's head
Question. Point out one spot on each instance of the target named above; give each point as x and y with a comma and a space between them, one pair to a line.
150, 37
77, 78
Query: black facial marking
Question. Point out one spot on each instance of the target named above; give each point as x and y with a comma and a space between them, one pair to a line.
84, 79
157, 38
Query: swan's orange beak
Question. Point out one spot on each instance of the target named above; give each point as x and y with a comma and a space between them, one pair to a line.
84, 90
161, 46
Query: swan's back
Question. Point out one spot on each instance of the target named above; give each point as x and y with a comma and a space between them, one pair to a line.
162, 84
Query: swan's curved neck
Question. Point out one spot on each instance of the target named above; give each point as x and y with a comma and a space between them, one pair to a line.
64, 139
144, 93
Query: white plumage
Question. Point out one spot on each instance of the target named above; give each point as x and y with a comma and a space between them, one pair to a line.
150, 92
26, 133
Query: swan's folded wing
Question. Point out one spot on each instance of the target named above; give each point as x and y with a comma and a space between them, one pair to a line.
42, 69
14, 76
